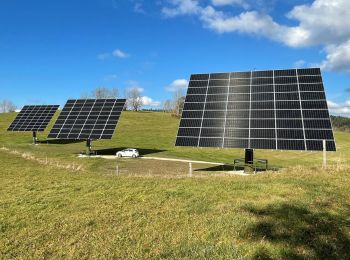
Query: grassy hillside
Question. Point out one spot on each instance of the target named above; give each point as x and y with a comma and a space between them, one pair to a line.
154, 134
49, 212
55, 205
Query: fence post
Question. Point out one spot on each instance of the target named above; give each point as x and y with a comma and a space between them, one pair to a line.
190, 169
324, 153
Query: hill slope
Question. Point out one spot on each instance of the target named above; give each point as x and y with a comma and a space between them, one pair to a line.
55, 205
154, 134
50, 212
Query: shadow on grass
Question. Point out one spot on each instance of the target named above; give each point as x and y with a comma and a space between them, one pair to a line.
301, 232
113, 151
219, 168
226, 167
59, 141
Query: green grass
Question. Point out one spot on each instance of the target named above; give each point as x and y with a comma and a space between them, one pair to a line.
155, 133
55, 205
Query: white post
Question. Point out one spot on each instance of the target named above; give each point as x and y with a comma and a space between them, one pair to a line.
324, 153
190, 170
117, 170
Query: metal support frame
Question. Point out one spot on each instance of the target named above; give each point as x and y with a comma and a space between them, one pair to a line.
249, 164
34, 138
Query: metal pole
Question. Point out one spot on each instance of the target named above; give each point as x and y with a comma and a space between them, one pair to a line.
249, 156
248, 160
34, 137
324, 153
88, 147
190, 169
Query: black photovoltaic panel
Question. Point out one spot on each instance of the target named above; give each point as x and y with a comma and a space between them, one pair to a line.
83, 119
33, 118
274, 109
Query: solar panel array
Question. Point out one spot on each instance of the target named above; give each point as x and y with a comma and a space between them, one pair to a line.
33, 118
274, 109
93, 119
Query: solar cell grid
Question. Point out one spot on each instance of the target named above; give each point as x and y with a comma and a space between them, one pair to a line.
88, 119
33, 118
275, 109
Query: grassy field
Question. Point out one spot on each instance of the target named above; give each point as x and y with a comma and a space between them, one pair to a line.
56, 205
154, 135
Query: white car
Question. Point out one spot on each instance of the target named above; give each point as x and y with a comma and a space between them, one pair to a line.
130, 152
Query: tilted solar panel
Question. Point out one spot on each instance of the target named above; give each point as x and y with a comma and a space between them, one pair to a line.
33, 118
92, 119
274, 109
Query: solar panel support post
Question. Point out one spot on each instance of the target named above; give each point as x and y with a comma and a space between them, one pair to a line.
248, 160
88, 147
34, 137
249, 156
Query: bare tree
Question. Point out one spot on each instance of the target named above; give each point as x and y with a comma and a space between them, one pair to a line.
102, 92
7, 106
168, 106
178, 103
134, 98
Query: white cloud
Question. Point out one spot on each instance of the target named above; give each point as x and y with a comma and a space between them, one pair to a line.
183, 7
299, 63
337, 58
332, 104
147, 101
120, 54
341, 109
134, 84
242, 3
117, 53
140, 89
323, 23
324, 20
178, 84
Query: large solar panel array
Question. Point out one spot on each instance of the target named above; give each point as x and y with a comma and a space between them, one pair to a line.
33, 118
93, 119
274, 109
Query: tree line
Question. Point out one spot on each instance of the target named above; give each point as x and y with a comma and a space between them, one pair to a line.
133, 95
7, 106
341, 123
135, 101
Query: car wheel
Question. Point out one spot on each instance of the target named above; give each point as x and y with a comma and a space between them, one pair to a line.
134, 156
119, 155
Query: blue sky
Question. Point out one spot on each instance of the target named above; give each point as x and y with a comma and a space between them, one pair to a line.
54, 50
